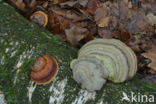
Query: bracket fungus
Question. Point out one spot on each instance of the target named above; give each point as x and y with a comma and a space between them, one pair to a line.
103, 59
44, 70
40, 18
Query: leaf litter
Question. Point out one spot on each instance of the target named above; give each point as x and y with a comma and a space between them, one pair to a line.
79, 21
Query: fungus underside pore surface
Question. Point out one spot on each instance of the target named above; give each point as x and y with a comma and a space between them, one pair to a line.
21, 42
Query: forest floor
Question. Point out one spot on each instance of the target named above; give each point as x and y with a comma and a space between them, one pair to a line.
79, 21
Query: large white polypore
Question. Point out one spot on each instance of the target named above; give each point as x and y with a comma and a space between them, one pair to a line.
103, 59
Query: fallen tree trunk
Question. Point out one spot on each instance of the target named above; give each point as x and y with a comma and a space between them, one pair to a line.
21, 42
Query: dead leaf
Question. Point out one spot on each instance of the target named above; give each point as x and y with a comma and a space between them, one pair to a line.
105, 33
134, 43
138, 22
83, 2
103, 22
69, 3
151, 71
75, 34
92, 6
101, 12
114, 22
68, 14
149, 6
122, 35
151, 54
58, 1
135, 47
18, 3
45, 4
64, 24
30, 3
124, 9
88, 38
54, 24
102, 16
151, 19
73, 3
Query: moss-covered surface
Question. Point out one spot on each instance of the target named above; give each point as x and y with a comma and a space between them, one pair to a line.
21, 42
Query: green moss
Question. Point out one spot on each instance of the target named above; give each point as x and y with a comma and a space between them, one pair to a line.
21, 42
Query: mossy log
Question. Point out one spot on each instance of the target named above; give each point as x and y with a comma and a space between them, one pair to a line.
21, 42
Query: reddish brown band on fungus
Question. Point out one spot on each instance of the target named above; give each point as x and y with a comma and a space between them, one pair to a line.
49, 78
52, 71
44, 70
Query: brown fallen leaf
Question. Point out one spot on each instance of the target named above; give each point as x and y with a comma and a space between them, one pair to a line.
104, 22
69, 3
68, 14
29, 3
100, 13
83, 2
122, 35
58, 1
57, 23
151, 71
124, 9
75, 34
73, 3
138, 22
92, 6
151, 19
54, 24
102, 16
105, 33
151, 54
149, 5
88, 37
18, 3
135, 47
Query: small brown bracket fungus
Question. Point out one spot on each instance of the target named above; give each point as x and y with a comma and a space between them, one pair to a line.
44, 70
40, 18
103, 59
